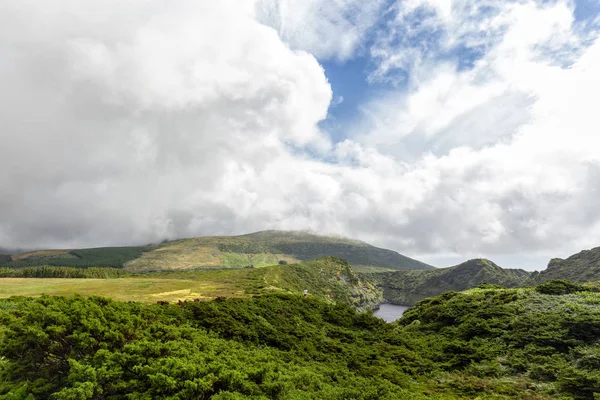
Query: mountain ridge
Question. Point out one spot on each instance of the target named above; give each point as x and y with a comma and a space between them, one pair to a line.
580, 267
409, 287
257, 249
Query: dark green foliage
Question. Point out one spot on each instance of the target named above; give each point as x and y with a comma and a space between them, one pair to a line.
114, 257
560, 286
546, 337
277, 346
62, 272
5, 259
485, 343
486, 285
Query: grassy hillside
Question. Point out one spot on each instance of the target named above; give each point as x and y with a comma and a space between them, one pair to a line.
329, 279
581, 267
115, 257
268, 248
536, 343
408, 287
255, 250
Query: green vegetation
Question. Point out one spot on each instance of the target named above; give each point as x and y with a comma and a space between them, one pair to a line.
329, 278
256, 250
267, 248
115, 257
580, 267
62, 272
485, 343
408, 287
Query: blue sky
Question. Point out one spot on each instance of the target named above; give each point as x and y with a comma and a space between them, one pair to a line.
350, 78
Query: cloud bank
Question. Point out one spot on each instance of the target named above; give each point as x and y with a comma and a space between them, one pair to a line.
128, 122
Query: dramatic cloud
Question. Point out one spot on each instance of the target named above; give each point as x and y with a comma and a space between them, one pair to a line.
132, 121
127, 123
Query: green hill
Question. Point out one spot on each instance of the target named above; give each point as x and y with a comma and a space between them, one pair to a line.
408, 287
268, 248
581, 267
258, 249
114, 257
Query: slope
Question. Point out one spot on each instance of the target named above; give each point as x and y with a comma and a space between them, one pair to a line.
254, 250
115, 257
268, 248
581, 267
408, 287
329, 279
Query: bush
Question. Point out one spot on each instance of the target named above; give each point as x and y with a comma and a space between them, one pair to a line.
560, 287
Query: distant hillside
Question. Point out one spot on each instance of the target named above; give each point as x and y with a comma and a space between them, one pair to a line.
265, 248
581, 267
256, 250
409, 287
115, 257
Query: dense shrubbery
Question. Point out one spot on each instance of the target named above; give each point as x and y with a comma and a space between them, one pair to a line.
560, 287
549, 339
276, 346
485, 343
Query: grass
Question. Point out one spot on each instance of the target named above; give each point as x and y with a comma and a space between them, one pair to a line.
149, 290
150, 287
330, 279
267, 248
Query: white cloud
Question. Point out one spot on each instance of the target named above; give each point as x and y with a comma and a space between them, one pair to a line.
329, 29
512, 138
127, 128
130, 122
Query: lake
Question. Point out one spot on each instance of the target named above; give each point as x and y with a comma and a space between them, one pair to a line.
390, 312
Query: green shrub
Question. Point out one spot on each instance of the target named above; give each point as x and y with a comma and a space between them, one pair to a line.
560, 287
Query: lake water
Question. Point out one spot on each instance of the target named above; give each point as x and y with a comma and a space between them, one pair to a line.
390, 312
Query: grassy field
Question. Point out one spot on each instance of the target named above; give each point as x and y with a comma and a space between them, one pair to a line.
157, 287
329, 278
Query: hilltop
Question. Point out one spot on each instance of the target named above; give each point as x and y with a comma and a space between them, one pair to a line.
253, 250
408, 287
581, 267
268, 248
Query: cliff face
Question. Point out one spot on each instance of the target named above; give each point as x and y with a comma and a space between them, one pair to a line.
409, 287
329, 278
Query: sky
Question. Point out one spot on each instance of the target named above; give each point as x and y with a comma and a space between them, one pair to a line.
443, 129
